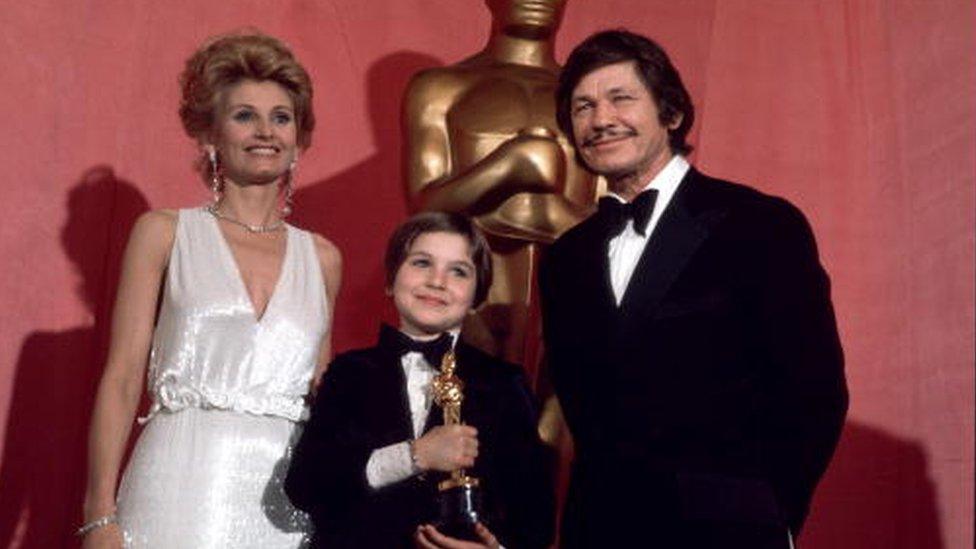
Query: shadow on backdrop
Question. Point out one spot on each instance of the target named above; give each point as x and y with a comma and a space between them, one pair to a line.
44, 454
352, 208
876, 494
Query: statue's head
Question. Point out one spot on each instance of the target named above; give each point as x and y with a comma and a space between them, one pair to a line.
526, 18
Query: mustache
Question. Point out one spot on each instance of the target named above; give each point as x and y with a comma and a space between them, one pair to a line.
608, 133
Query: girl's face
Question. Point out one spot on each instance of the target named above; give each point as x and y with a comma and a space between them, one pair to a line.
434, 287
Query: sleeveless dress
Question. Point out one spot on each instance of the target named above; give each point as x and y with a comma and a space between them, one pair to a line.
228, 394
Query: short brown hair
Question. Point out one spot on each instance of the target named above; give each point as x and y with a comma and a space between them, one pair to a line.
225, 60
440, 222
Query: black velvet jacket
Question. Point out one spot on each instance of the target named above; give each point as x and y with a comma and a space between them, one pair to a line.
363, 406
712, 398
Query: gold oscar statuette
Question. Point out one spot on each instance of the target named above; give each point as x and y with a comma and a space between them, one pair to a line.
459, 498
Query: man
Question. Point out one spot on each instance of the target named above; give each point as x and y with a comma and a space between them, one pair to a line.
688, 326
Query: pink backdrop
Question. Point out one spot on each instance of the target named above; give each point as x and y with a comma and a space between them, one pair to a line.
861, 112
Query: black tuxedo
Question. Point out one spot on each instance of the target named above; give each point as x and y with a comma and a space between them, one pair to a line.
705, 407
363, 406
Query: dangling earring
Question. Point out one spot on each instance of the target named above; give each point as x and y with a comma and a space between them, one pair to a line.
289, 190
216, 185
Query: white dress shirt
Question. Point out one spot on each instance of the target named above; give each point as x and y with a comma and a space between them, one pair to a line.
625, 249
393, 463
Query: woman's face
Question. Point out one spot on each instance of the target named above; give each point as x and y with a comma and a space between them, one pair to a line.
256, 134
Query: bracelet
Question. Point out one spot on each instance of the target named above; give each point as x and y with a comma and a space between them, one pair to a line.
414, 460
96, 524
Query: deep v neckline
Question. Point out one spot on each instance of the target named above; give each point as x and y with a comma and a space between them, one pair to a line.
239, 275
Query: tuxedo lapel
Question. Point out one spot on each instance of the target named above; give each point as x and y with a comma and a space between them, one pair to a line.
594, 272
677, 237
390, 386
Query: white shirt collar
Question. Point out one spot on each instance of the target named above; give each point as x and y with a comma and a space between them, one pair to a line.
625, 249
414, 359
666, 181
455, 335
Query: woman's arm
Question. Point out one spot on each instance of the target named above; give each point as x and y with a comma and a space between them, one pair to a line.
330, 259
119, 391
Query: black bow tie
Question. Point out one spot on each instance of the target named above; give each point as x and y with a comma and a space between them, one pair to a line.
433, 349
616, 213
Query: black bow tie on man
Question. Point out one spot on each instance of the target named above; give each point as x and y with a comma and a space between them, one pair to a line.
433, 349
616, 213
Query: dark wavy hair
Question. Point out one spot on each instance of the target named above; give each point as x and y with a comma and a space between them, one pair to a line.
441, 222
655, 69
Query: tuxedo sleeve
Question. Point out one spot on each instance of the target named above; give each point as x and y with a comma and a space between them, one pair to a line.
804, 377
328, 467
557, 319
523, 472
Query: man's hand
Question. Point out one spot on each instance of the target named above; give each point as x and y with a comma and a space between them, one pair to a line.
446, 448
428, 537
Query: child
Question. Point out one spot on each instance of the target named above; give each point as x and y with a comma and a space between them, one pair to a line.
368, 463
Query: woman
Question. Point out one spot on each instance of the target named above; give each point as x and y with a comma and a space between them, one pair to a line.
242, 330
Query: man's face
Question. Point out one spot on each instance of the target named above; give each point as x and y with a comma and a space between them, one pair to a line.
616, 126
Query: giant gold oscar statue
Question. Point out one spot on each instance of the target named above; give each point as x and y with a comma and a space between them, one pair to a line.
482, 140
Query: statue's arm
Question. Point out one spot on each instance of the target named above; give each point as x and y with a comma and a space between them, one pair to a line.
530, 161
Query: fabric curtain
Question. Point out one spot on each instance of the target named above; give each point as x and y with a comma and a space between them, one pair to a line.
861, 112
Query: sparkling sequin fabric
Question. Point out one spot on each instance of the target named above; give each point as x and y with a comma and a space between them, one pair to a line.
227, 390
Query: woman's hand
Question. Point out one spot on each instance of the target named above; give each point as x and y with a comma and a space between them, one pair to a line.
427, 537
106, 537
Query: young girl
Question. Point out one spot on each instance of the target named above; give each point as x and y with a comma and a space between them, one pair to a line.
371, 456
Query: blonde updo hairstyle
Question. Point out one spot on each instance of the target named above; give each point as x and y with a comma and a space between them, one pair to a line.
228, 59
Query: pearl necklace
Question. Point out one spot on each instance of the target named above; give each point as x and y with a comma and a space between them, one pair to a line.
256, 229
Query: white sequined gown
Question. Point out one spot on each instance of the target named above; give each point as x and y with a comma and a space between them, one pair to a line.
228, 392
